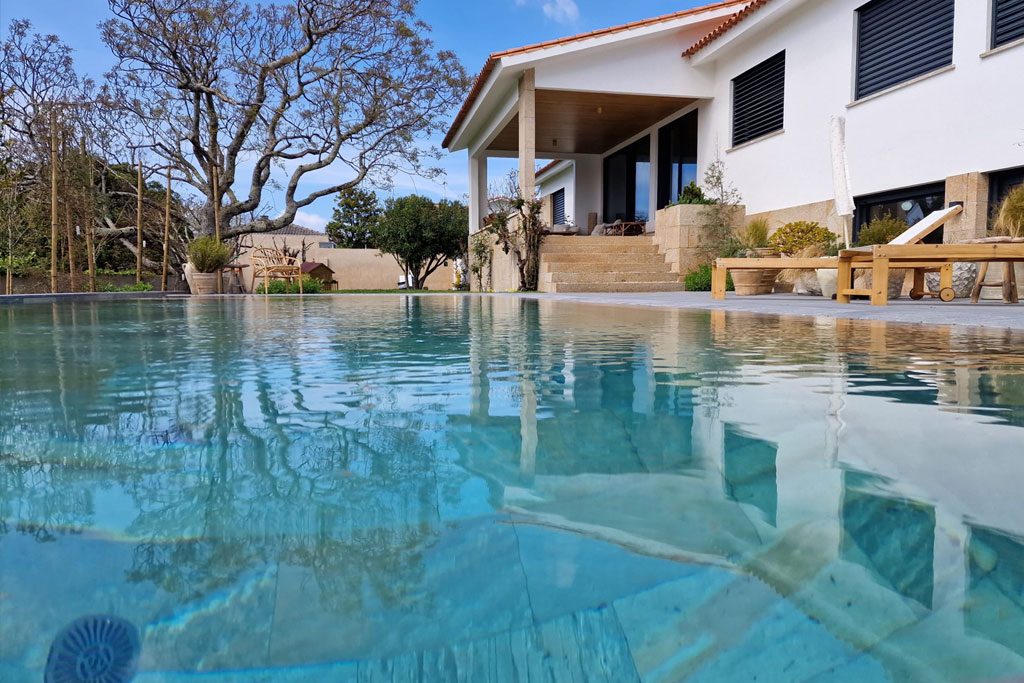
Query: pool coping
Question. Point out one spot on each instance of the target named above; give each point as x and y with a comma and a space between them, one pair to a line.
959, 313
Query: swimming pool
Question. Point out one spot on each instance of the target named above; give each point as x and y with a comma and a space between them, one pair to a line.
495, 488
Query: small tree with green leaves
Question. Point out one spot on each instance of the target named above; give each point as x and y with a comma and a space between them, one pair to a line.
356, 214
519, 230
422, 235
718, 224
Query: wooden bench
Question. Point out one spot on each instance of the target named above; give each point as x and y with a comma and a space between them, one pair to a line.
721, 267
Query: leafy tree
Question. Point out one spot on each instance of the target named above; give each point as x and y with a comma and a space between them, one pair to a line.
228, 91
355, 216
519, 230
422, 235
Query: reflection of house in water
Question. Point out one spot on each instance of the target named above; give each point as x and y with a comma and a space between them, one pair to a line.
823, 471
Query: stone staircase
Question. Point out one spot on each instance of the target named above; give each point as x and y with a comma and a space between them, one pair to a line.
604, 264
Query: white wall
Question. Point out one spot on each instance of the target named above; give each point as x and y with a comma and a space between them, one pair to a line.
968, 119
563, 179
627, 67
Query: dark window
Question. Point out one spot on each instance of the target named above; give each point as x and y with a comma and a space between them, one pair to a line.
909, 205
627, 180
758, 100
1007, 21
558, 207
898, 40
677, 158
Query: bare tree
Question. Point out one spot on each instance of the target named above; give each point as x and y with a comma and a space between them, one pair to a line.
231, 92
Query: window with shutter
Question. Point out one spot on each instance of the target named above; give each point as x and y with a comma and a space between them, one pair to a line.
758, 100
898, 40
558, 207
1007, 21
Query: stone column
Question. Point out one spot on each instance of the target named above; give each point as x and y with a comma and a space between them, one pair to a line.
478, 200
528, 134
972, 190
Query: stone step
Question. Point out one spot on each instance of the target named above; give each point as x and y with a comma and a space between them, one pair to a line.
627, 276
635, 265
625, 287
576, 242
603, 259
601, 247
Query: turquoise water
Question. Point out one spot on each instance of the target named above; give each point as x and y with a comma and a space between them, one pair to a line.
492, 489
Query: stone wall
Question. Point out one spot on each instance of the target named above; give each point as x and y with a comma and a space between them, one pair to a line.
353, 268
504, 276
680, 233
40, 284
972, 190
819, 212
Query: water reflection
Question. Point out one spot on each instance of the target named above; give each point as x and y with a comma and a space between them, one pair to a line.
281, 483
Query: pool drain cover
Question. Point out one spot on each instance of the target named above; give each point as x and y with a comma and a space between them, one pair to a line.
94, 649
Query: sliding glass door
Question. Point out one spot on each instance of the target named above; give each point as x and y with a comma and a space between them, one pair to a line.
677, 158
627, 183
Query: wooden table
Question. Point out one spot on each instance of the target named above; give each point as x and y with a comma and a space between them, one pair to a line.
235, 271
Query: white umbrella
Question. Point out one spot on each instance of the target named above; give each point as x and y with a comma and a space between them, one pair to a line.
841, 175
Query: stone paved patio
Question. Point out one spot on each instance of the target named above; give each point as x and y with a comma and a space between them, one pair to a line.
960, 312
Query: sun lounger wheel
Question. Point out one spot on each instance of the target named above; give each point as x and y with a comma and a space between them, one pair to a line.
94, 649
947, 294
916, 294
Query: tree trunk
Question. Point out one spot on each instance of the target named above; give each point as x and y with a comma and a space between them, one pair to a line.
70, 229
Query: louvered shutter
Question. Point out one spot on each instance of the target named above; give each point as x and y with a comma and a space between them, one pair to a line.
898, 40
758, 100
558, 207
1007, 21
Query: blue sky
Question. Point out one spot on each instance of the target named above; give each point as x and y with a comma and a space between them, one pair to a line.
472, 28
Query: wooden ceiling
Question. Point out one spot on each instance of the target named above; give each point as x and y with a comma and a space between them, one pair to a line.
571, 122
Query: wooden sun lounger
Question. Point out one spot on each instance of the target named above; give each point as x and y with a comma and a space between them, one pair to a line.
921, 258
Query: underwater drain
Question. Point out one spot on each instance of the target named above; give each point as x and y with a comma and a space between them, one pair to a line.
94, 649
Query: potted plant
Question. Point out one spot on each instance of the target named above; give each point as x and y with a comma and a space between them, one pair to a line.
804, 239
1010, 223
882, 231
207, 256
753, 240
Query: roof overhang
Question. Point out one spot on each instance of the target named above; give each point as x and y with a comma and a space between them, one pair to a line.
501, 72
756, 16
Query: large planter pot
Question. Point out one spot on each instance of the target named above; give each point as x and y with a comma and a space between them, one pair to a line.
828, 280
748, 282
204, 283
964, 277
897, 277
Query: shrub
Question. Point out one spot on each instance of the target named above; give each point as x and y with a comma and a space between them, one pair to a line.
799, 235
208, 255
755, 235
881, 231
699, 280
310, 285
692, 194
133, 287
1010, 221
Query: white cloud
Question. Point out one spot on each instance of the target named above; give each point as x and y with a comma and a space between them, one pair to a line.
559, 11
310, 220
562, 11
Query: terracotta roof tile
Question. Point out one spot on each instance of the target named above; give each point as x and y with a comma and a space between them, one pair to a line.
725, 27
494, 58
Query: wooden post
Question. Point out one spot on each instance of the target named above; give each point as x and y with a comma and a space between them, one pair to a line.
90, 216
138, 226
70, 229
167, 233
53, 200
216, 220
719, 281
844, 280
880, 282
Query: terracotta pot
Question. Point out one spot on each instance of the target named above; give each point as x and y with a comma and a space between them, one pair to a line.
204, 283
748, 282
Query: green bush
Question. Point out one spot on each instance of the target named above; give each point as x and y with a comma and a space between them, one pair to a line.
133, 287
699, 280
692, 194
309, 286
208, 255
24, 264
881, 231
792, 238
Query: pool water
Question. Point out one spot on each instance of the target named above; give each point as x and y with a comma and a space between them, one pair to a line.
448, 488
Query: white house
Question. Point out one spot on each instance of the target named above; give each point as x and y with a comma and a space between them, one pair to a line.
932, 92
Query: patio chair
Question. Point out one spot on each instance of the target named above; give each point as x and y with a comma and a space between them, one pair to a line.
271, 264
